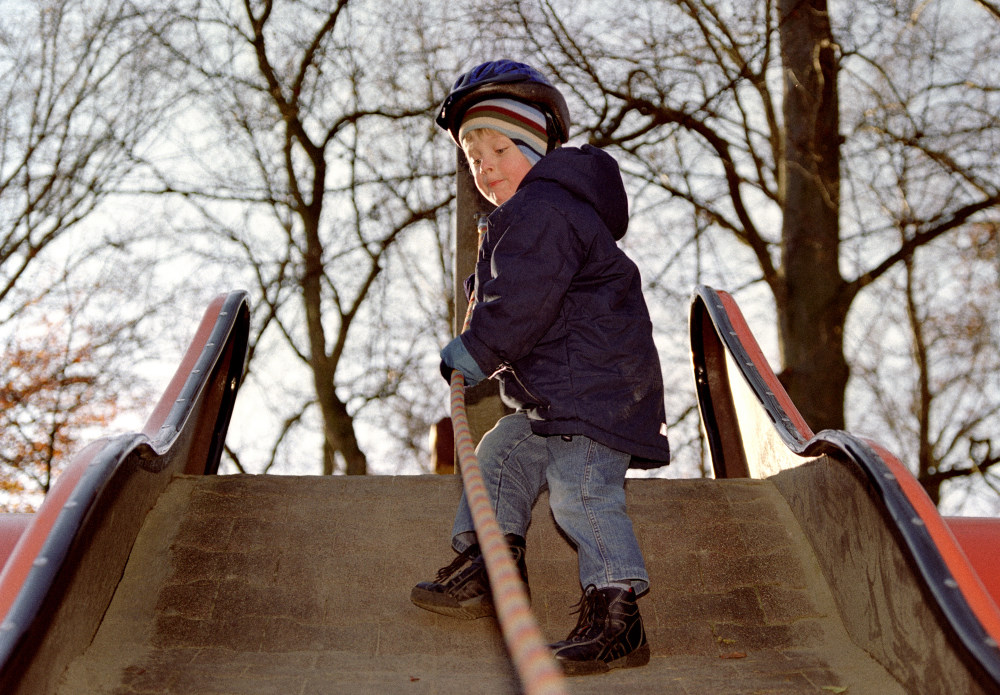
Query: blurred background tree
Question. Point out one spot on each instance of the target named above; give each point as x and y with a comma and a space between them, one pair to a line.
821, 153
61, 386
80, 102
317, 121
833, 165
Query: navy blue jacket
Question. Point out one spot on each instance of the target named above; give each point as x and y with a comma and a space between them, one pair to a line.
560, 317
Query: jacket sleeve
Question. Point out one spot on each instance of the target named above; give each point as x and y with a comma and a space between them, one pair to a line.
529, 272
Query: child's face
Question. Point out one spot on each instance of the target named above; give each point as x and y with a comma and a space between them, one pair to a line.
496, 163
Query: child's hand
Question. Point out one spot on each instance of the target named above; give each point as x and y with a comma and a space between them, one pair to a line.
454, 355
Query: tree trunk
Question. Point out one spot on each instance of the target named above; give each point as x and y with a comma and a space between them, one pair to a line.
483, 406
811, 303
927, 464
338, 424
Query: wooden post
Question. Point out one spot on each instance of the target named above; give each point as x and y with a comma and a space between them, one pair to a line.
442, 443
470, 204
482, 402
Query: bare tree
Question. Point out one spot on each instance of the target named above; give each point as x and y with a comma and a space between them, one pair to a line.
810, 138
81, 100
78, 103
62, 383
933, 383
331, 160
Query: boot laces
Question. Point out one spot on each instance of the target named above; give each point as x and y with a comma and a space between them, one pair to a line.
463, 557
593, 610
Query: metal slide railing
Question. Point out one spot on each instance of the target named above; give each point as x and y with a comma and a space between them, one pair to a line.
62, 573
952, 585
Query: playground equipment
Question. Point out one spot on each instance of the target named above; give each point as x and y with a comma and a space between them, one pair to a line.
812, 563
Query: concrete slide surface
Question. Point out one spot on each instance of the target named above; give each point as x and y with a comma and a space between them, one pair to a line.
300, 585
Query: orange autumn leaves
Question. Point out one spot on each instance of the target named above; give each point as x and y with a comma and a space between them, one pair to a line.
51, 396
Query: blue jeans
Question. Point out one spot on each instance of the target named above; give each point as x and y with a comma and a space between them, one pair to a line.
586, 482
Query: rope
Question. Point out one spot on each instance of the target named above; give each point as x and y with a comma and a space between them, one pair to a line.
537, 668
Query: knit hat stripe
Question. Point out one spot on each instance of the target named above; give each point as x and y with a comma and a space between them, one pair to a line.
510, 130
522, 123
516, 114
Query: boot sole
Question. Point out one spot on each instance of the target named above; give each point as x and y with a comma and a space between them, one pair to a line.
640, 657
444, 604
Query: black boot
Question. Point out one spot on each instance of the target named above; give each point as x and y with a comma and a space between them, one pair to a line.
462, 589
608, 634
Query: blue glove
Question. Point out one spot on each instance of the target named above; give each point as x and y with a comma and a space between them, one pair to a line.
454, 355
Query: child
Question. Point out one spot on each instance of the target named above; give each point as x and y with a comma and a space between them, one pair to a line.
561, 322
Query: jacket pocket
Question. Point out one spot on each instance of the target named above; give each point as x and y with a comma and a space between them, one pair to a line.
517, 387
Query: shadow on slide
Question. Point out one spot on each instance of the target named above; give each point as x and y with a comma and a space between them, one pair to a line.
916, 591
61, 565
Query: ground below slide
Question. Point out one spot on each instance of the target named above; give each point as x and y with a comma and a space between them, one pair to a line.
243, 585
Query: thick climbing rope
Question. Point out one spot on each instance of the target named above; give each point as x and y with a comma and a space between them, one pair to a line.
536, 667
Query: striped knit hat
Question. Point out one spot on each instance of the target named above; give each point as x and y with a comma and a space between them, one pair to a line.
521, 122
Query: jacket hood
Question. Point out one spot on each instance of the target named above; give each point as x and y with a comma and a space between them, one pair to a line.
591, 174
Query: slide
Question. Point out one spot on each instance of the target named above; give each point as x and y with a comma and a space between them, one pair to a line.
811, 563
